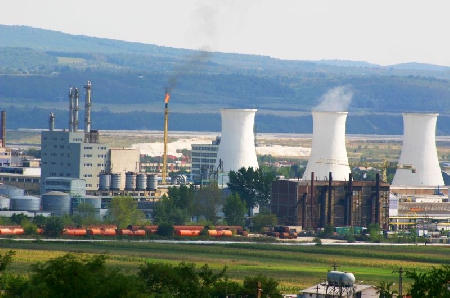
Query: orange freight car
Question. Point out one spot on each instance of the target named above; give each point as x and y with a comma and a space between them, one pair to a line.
187, 232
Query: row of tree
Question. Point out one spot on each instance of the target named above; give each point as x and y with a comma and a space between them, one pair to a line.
77, 275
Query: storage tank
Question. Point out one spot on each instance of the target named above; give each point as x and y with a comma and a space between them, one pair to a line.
130, 181
340, 279
5, 203
115, 181
105, 182
418, 163
237, 145
25, 203
328, 152
152, 182
11, 191
56, 202
94, 201
141, 182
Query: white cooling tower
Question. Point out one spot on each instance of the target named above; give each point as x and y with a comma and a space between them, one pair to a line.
418, 163
328, 152
237, 144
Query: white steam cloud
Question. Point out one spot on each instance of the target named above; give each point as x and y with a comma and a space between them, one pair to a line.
337, 99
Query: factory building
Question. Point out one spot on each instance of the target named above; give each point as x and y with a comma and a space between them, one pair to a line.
316, 204
73, 153
237, 145
203, 159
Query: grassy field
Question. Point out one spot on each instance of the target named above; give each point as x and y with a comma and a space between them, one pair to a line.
295, 267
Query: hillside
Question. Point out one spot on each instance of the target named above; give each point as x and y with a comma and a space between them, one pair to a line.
129, 79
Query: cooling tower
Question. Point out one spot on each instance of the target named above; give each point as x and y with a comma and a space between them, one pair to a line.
418, 163
237, 145
328, 152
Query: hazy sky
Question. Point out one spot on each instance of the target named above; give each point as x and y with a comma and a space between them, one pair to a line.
377, 31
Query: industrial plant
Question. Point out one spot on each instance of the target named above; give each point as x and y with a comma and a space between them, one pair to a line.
76, 166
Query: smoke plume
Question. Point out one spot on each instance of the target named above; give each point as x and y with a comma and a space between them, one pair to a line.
336, 99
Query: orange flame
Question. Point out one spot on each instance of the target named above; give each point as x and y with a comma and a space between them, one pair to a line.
166, 100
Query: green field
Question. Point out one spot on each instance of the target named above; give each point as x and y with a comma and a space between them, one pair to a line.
295, 267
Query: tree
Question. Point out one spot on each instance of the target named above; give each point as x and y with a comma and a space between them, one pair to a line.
252, 186
182, 197
269, 286
434, 283
384, 289
6, 259
85, 214
123, 211
234, 210
54, 226
264, 219
374, 232
165, 211
206, 203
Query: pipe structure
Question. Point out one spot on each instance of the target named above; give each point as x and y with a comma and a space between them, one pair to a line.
418, 163
87, 107
3, 129
237, 145
328, 152
51, 122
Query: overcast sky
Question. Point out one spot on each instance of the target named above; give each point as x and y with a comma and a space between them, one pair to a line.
377, 31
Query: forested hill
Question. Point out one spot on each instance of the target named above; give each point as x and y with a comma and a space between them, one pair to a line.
129, 79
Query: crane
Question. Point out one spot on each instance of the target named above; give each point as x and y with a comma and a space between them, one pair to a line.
166, 125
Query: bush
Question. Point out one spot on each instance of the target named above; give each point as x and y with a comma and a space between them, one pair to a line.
165, 229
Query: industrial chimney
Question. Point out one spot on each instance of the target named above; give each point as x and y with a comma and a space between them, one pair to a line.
237, 145
87, 108
71, 103
3, 129
328, 152
75, 110
418, 163
51, 122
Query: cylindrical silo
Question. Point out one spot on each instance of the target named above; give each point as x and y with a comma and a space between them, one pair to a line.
418, 163
56, 202
105, 182
115, 181
152, 182
141, 181
11, 191
96, 202
5, 203
237, 145
130, 181
25, 203
328, 152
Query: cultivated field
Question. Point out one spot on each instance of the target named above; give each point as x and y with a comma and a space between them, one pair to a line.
295, 267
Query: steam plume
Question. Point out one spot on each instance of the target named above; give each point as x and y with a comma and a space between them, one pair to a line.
336, 99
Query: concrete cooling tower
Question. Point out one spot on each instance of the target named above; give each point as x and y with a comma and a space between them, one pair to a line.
237, 144
328, 152
418, 164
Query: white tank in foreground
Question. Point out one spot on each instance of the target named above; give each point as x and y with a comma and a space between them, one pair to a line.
328, 152
418, 163
237, 144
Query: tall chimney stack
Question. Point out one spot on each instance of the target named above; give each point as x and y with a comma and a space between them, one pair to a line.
3, 128
71, 100
75, 110
51, 122
87, 108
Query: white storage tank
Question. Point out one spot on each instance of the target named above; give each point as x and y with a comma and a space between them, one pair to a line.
5, 203
56, 202
141, 182
96, 202
105, 182
25, 203
130, 181
340, 279
115, 181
